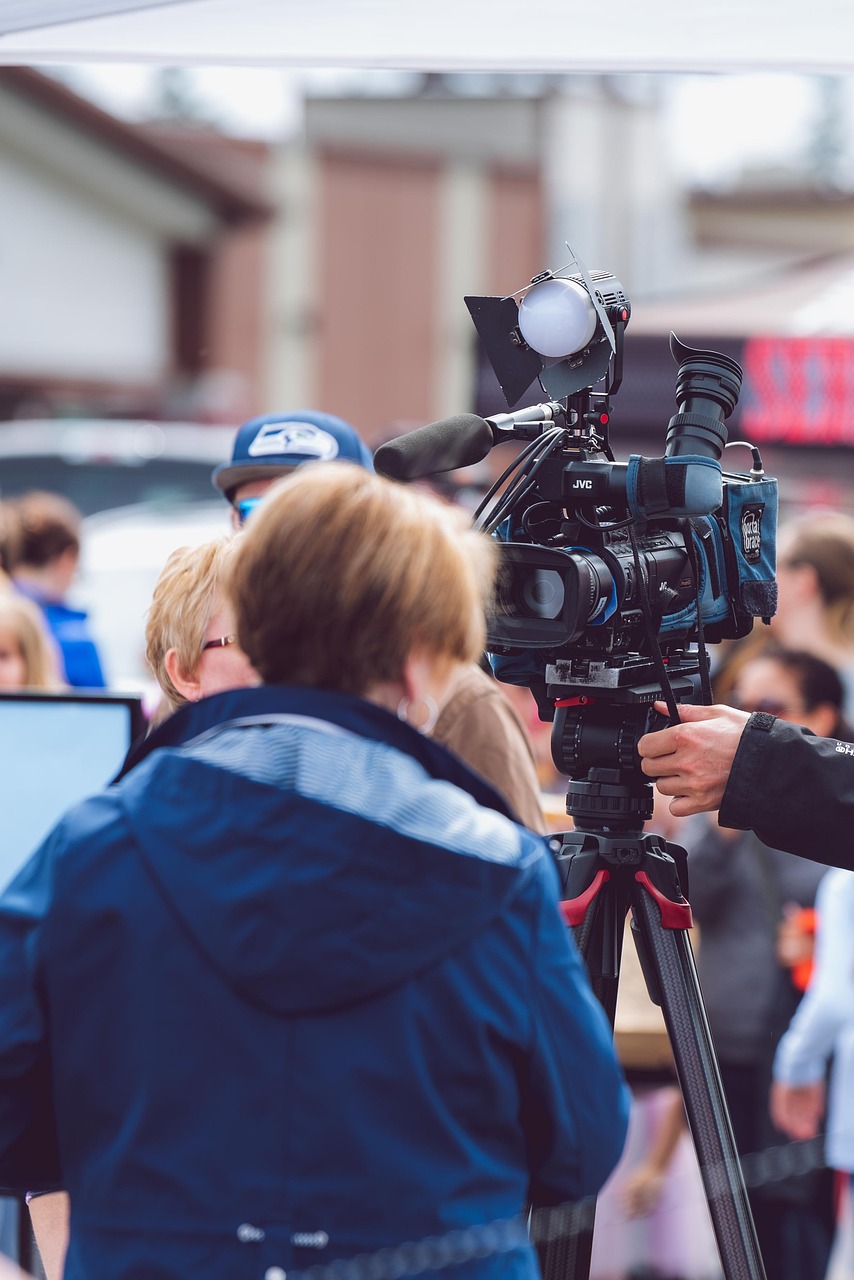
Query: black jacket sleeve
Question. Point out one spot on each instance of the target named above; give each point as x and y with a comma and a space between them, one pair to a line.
796, 791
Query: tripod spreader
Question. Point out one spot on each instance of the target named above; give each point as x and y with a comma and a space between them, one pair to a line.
658, 874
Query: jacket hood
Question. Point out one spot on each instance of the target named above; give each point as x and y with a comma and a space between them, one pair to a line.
315, 850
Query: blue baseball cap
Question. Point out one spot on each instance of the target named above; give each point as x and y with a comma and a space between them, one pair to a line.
269, 446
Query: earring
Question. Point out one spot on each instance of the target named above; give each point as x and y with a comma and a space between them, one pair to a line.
429, 706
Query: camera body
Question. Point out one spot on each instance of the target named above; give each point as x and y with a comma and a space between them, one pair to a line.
608, 568
571, 577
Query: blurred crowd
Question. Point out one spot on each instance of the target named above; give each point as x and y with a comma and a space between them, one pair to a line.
775, 931
45, 643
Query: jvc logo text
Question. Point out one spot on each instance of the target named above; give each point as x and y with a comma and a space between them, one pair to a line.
582, 484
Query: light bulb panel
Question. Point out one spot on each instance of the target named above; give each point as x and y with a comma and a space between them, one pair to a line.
557, 318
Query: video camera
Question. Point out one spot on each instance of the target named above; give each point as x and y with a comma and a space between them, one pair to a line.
611, 571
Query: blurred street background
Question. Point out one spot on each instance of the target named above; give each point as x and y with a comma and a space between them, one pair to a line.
182, 249
194, 246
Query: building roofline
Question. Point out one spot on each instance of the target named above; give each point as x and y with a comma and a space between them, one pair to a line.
134, 143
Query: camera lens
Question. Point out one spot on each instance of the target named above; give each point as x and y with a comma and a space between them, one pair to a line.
542, 593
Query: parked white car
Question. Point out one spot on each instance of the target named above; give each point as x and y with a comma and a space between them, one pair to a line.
123, 552
101, 463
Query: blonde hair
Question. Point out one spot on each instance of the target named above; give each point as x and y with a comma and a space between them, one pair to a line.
341, 574
24, 620
183, 603
825, 542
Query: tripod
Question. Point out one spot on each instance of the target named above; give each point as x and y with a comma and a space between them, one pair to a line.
608, 866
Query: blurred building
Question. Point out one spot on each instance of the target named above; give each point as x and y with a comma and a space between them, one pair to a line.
170, 271
132, 270
393, 209
773, 286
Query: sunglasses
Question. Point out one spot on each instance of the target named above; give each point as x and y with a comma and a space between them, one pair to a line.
771, 707
245, 508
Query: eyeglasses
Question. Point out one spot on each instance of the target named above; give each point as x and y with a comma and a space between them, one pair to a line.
770, 707
219, 643
245, 508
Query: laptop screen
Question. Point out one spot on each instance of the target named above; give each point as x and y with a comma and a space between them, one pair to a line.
56, 749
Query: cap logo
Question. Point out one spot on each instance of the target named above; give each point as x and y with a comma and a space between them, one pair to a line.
302, 439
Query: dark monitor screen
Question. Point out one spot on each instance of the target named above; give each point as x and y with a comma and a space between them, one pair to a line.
56, 749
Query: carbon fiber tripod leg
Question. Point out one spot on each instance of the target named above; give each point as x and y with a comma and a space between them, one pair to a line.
604, 875
669, 951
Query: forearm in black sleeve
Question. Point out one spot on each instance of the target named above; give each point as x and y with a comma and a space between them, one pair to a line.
796, 791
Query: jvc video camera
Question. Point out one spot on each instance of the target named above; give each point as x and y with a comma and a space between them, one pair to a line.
608, 568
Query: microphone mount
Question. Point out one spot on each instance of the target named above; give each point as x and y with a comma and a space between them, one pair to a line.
527, 424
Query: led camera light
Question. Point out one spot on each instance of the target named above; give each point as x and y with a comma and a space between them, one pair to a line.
557, 318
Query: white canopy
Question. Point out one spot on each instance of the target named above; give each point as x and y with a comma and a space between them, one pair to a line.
438, 35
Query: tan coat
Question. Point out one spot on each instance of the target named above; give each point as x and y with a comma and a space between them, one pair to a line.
479, 725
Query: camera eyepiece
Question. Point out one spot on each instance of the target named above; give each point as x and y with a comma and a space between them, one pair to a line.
707, 388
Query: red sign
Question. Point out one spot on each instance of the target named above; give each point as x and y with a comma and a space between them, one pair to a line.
798, 390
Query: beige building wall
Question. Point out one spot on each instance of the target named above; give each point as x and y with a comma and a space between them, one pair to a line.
378, 261
291, 288
390, 213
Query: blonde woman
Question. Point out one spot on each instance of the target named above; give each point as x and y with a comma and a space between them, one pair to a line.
28, 659
343, 1009
190, 637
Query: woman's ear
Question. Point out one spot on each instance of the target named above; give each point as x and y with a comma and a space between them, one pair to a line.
427, 675
188, 686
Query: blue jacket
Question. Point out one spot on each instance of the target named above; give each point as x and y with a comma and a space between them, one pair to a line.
295, 988
71, 632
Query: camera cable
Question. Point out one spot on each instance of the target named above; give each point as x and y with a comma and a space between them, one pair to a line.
523, 483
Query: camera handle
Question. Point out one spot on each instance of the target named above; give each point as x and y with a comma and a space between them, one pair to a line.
604, 873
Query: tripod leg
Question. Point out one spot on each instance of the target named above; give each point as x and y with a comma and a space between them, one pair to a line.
596, 909
668, 951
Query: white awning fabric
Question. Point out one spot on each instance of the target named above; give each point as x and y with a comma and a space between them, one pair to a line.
439, 35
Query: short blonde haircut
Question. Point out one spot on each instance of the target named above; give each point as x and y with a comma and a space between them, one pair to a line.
24, 620
341, 574
182, 606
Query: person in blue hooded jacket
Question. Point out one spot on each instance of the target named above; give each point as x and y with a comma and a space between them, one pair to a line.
45, 557
296, 987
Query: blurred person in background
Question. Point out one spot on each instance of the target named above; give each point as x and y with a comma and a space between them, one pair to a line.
7, 543
478, 721
815, 603
344, 1010
27, 656
753, 906
821, 1037
815, 572
46, 545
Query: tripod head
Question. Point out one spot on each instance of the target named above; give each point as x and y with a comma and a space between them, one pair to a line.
601, 711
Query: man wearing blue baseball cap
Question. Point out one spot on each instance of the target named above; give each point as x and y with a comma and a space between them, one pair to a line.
268, 447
